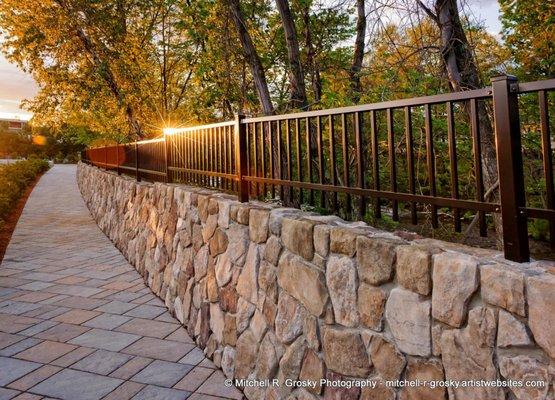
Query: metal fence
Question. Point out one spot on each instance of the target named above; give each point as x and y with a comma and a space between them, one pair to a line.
365, 159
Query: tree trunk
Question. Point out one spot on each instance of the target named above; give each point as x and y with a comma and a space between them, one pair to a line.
314, 70
103, 68
356, 67
296, 74
251, 55
463, 74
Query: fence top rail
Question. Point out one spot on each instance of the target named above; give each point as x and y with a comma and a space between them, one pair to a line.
173, 131
411, 102
526, 87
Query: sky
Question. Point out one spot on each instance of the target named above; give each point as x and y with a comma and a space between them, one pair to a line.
16, 85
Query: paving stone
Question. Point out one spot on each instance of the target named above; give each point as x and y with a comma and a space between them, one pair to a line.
62, 332
103, 339
19, 347
194, 379
76, 317
7, 394
158, 349
145, 311
34, 377
76, 385
148, 327
125, 391
45, 352
7, 339
162, 373
13, 369
73, 356
107, 321
159, 393
194, 357
38, 328
101, 362
116, 307
131, 367
215, 386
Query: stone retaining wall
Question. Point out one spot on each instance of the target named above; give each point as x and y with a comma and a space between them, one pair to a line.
270, 292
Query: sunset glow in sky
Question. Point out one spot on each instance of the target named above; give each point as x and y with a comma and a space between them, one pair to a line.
16, 85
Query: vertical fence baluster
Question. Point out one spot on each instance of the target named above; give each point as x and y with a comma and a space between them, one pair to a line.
320, 161
410, 162
360, 163
289, 166
346, 180
299, 156
333, 167
241, 158
137, 167
279, 158
430, 160
477, 154
392, 163
263, 131
375, 162
547, 161
453, 164
308, 129
271, 159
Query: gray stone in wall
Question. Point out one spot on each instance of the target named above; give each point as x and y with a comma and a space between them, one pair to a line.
455, 279
408, 317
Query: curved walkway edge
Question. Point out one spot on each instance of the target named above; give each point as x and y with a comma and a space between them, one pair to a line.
77, 321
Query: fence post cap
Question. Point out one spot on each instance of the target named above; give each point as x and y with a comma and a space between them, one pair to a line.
503, 77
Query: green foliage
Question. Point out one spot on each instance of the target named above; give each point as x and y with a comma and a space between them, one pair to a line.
14, 178
529, 33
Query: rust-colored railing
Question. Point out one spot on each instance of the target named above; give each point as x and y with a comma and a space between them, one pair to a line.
357, 160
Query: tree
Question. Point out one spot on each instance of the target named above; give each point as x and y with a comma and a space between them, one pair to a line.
252, 57
529, 32
358, 55
296, 75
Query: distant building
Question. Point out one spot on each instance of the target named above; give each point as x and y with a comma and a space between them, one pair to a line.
14, 124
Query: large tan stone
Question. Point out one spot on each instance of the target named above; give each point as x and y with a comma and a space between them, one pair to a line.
312, 369
414, 266
245, 311
343, 240
267, 361
376, 259
200, 263
525, 369
504, 287
341, 279
297, 235
258, 225
322, 239
510, 331
344, 352
467, 354
423, 370
408, 317
223, 270
246, 352
247, 285
267, 280
387, 360
541, 310
218, 243
290, 363
371, 306
217, 321
378, 392
340, 392
303, 282
272, 250
238, 243
455, 280
289, 318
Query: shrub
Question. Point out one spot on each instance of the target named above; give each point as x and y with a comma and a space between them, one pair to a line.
14, 178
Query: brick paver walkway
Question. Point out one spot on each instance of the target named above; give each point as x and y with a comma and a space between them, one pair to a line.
76, 320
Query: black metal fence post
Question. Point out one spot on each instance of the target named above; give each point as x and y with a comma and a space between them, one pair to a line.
509, 163
241, 149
